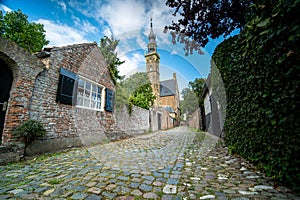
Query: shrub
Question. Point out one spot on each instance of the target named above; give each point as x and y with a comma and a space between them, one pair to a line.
30, 130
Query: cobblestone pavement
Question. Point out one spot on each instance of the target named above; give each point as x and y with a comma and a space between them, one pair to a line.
173, 164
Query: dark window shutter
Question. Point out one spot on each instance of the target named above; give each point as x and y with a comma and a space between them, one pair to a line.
66, 87
109, 99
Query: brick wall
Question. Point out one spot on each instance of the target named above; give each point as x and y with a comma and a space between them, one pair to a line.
135, 123
33, 96
195, 120
25, 68
67, 125
166, 122
142, 120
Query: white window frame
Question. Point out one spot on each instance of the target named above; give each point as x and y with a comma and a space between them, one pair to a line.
89, 99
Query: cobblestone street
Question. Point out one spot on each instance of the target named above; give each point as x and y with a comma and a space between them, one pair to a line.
173, 164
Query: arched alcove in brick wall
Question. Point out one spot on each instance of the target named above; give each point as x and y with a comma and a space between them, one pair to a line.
25, 67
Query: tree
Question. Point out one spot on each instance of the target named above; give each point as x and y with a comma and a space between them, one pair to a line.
108, 49
188, 105
143, 97
135, 90
15, 27
201, 20
197, 86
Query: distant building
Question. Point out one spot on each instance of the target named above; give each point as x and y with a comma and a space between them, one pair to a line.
166, 92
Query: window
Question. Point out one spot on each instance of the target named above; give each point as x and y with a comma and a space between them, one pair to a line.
90, 95
65, 90
82, 92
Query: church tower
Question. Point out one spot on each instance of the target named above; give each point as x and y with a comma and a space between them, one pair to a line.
152, 65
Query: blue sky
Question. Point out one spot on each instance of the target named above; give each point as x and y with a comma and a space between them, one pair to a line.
78, 21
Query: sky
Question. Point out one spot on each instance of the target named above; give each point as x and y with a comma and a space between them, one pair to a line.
70, 22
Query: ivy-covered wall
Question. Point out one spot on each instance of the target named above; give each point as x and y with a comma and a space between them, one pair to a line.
261, 72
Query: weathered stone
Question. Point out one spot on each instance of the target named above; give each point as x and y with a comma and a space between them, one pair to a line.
263, 187
208, 197
125, 198
79, 196
170, 189
145, 187
150, 195
243, 192
94, 190
110, 187
16, 191
48, 192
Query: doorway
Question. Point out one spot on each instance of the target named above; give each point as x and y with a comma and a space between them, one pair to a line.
159, 121
6, 79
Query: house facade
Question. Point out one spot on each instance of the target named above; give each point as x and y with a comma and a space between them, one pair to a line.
68, 89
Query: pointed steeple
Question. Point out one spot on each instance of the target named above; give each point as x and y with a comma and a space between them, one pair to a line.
152, 35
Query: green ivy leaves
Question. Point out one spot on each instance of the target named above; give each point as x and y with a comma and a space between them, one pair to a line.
261, 74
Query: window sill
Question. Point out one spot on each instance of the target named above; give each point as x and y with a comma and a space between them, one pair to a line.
92, 109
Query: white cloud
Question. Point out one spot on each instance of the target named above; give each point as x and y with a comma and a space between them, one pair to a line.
5, 8
107, 32
123, 16
132, 64
84, 25
61, 34
61, 4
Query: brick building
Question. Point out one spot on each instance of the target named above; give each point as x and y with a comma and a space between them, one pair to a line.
68, 89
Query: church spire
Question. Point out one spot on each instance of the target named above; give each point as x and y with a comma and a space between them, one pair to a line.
152, 43
152, 35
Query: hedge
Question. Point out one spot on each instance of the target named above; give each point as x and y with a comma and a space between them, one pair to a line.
260, 70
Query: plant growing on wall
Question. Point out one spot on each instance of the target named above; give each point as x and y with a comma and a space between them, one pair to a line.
260, 69
142, 97
29, 131
135, 90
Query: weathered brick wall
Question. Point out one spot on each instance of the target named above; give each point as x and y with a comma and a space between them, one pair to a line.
33, 96
142, 120
166, 122
25, 68
168, 101
135, 123
195, 120
68, 125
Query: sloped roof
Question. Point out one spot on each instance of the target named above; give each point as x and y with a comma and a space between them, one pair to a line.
46, 52
169, 109
167, 88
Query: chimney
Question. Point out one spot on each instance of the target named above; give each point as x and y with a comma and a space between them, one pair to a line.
174, 76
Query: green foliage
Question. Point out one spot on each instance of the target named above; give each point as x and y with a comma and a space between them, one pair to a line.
260, 70
197, 86
187, 104
15, 27
30, 130
108, 49
192, 96
200, 20
135, 90
142, 97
